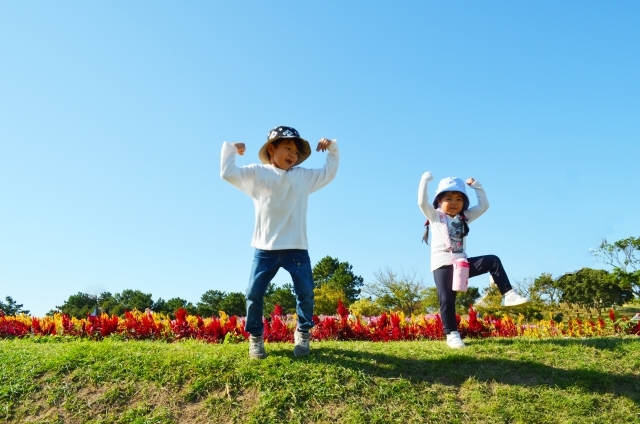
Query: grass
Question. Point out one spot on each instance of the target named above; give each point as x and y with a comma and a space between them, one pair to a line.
629, 309
59, 380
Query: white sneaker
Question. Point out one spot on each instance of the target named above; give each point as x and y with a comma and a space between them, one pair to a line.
513, 298
454, 341
256, 347
301, 341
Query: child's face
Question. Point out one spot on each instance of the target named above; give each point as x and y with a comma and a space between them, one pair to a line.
451, 202
284, 155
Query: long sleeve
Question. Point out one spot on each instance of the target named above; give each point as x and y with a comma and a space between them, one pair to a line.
483, 203
423, 197
240, 177
280, 197
319, 178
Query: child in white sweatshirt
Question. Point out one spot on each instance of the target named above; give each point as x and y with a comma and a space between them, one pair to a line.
280, 191
448, 214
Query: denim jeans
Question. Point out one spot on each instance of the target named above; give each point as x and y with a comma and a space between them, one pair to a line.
478, 265
266, 264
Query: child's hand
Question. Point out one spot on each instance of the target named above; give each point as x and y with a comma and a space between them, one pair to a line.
427, 175
470, 181
323, 145
240, 148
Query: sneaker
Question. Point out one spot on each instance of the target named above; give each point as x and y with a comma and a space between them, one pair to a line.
454, 341
513, 298
256, 347
301, 341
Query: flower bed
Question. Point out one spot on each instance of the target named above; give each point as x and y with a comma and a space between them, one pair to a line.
279, 328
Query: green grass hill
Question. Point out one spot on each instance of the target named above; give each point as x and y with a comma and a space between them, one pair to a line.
60, 380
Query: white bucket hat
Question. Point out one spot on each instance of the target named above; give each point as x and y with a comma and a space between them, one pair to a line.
451, 184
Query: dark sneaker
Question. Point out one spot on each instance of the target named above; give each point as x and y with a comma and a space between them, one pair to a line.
256, 347
301, 341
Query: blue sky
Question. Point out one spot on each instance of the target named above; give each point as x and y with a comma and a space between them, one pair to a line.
112, 116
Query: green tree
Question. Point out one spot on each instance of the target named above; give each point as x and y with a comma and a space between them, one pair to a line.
545, 289
431, 302
169, 307
404, 292
592, 288
128, 300
214, 301
234, 303
326, 299
365, 307
624, 257
491, 301
209, 304
11, 307
283, 296
338, 275
466, 299
106, 302
78, 305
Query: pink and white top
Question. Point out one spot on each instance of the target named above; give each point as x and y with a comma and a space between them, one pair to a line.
447, 243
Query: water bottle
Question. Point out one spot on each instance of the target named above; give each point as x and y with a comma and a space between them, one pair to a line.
460, 274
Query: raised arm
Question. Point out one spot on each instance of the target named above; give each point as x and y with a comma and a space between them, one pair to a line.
240, 177
319, 178
483, 203
423, 197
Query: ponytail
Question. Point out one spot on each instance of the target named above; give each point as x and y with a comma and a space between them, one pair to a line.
465, 227
425, 237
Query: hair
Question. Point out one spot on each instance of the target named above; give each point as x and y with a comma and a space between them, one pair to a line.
296, 141
465, 227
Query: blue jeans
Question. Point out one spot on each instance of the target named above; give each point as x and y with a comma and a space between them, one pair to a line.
266, 264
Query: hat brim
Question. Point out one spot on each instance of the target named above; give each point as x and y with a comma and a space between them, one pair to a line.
465, 205
302, 156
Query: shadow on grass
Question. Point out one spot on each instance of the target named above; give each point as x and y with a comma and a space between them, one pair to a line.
601, 343
455, 369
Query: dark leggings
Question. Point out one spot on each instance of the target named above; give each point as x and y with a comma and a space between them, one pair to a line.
443, 277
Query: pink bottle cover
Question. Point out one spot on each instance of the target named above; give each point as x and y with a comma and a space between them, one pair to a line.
460, 275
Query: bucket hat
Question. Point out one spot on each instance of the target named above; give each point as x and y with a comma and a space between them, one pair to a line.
451, 184
285, 132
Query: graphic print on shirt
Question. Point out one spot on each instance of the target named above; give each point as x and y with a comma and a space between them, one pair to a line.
455, 235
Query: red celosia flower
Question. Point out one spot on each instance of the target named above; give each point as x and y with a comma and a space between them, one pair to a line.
342, 311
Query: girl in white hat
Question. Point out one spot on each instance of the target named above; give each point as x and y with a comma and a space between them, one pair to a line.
448, 214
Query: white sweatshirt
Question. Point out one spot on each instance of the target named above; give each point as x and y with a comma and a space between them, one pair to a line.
280, 197
445, 241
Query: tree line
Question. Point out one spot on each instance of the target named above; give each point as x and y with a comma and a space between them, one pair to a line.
591, 289
333, 280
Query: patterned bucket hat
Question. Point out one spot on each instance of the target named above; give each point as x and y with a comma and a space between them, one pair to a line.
285, 132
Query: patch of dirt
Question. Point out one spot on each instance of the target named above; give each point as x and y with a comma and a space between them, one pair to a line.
93, 402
